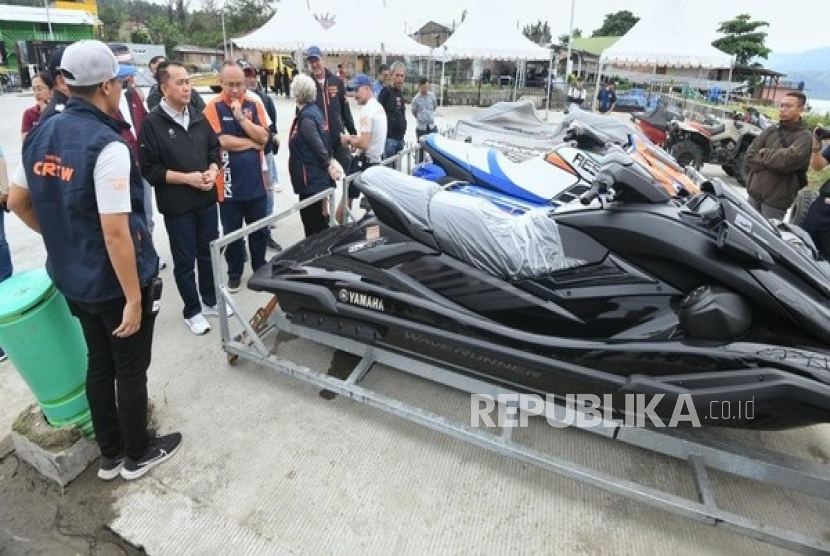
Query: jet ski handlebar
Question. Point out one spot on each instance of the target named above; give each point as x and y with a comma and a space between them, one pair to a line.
600, 186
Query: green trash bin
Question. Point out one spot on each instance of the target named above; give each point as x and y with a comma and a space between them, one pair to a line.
46, 344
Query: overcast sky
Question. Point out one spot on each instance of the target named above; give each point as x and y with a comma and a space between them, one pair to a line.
794, 26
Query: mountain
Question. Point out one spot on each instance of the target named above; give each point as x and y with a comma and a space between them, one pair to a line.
801, 66
798, 61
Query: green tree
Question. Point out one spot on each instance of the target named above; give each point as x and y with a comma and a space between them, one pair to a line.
243, 16
165, 31
563, 38
538, 32
112, 16
616, 24
743, 38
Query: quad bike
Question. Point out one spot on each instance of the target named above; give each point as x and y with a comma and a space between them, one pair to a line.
654, 123
693, 144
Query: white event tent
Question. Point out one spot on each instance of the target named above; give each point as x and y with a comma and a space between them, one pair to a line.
666, 37
291, 28
371, 30
489, 33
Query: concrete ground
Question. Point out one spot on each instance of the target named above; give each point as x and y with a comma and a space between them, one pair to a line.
270, 465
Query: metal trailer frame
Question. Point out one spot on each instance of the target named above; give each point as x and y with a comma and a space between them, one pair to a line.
700, 450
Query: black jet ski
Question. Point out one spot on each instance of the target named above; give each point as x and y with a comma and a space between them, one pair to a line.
704, 302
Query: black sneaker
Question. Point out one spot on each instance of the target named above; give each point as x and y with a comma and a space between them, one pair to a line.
161, 449
110, 467
234, 284
273, 245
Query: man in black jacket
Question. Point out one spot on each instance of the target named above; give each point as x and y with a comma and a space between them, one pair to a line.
331, 98
391, 98
157, 63
180, 157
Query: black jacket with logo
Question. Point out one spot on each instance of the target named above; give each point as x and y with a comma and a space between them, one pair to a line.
166, 145
337, 116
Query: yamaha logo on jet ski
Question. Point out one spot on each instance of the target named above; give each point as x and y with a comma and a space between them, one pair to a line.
361, 300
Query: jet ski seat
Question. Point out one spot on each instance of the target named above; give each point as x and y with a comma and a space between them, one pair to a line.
716, 129
401, 201
470, 229
510, 247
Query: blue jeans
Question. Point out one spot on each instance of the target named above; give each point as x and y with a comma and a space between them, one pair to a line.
6, 268
233, 214
393, 147
274, 178
190, 236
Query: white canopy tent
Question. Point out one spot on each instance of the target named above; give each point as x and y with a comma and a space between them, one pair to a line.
488, 32
370, 30
292, 28
665, 37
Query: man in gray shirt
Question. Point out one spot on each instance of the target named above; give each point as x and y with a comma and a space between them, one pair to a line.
423, 108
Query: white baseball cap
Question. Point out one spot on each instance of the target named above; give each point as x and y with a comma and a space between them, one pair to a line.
90, 62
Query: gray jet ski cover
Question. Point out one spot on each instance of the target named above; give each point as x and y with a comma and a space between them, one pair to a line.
510, 247
516, 129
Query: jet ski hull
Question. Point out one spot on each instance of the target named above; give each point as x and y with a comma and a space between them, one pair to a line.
372, 284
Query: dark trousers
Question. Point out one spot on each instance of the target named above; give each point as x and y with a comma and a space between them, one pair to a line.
116, 377
312, 216
233, 214
420, 133
341, 154
190, 236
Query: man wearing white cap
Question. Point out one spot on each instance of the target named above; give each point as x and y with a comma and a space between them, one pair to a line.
99, 251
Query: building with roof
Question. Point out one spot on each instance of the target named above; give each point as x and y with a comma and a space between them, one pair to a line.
433, 34
585, 53
23, 29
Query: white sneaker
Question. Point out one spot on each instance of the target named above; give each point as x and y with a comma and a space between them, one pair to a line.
198, 325
276, 187
213, 311
162, 264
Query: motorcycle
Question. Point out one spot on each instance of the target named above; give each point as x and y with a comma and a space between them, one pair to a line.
693, 144
630, 293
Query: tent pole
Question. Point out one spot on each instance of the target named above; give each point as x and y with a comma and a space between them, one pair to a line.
516, 80
550, 81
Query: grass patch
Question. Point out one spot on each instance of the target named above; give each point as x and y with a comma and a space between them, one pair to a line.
815, 179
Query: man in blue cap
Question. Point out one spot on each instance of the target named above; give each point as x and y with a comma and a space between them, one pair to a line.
81, 190
370, 141
331, 98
